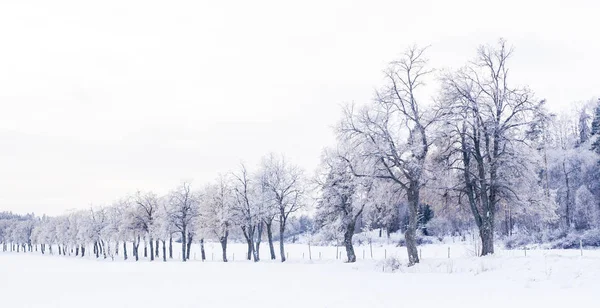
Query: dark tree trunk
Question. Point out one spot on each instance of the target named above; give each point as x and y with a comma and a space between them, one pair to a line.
269, 225
145, 249
82, 251
156, 252
77, 251
124, 250
348, 234
151, 249
281, 236
248, 235
258, 238
136, 247
171, 246
189, 245
183, 244
202, 252
223, 241
410, 235
164, 251
104, 249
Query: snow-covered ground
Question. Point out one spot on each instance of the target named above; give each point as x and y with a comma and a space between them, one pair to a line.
543, 277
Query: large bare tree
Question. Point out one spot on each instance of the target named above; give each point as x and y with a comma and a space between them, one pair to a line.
393, 135
486, 122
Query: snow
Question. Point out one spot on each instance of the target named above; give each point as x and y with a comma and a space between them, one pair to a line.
543, 277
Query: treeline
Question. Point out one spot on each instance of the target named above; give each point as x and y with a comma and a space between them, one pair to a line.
482, 153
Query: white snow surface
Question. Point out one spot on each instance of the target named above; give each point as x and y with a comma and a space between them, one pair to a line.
543, 278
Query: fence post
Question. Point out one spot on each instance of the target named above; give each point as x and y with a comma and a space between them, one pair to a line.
525, 251
448, 252
363, 254
287, 255
233, 258
319, 255
385, 253
581, 247
371, 248
420, 254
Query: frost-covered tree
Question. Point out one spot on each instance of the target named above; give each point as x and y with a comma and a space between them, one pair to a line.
286, 184
184, 211
486, 137
146, 209
344, 197
394, 135
219, 211
246, 210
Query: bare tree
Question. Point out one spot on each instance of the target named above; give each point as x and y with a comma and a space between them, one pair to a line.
285, 182
268, 210
393, 135
183, 212
218, 211
147, 206
246, 210
488, 118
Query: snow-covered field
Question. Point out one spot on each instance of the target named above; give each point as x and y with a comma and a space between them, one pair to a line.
543, 277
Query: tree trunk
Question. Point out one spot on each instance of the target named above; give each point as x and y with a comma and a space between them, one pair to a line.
248, 234
156, 252
183, 244
124, 250
136, 247
145, 248
410, 235
164, 251
270, 238
348, 234
202, 252
171, 246
223, 241
104, 249
281, 236
82, 251
77, 251
189, 245
151, 249
486, 232
258, 238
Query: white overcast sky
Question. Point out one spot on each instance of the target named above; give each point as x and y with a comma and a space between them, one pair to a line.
101, 98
